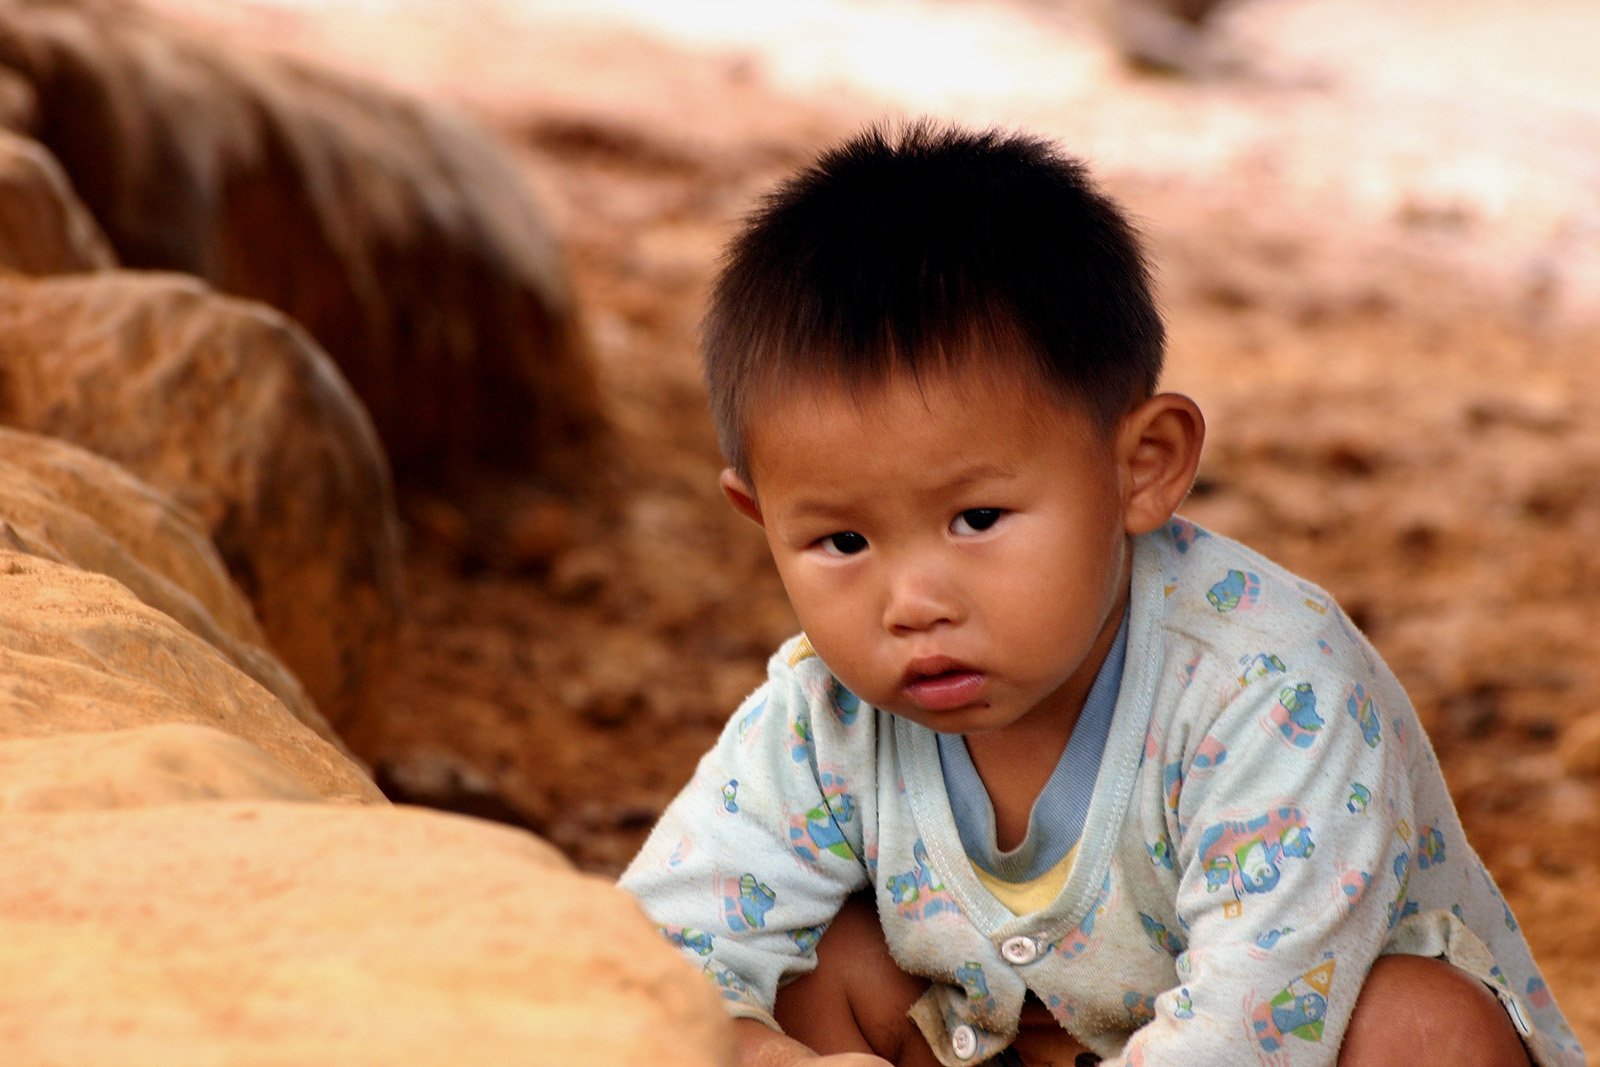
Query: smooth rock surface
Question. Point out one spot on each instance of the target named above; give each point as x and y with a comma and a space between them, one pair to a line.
231, 410
62, 503
44, 227
79, 653
143, 765
262, 933
402, 237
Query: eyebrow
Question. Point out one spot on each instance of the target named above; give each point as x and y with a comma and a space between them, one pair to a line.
839, 508
981, 472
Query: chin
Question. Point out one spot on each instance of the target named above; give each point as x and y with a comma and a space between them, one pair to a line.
973, 721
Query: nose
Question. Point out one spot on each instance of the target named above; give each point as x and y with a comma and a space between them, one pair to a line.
920, 598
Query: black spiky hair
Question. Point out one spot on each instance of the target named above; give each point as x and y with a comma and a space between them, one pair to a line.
933, 248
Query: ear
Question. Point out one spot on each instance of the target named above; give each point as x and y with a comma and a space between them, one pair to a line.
1159, 451
741, 496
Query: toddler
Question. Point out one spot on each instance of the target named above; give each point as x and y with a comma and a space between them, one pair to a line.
1051, 775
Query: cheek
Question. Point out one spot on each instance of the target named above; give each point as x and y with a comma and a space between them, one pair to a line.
829, 610
839, 620
1070, 554
1058, 590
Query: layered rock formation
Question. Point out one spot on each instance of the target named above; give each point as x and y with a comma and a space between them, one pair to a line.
80, 653
68, 506
147, 914
231, 410
401, 237
44, 227
175, 885
196, 518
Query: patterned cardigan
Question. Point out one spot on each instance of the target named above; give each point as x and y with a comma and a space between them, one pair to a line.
1267, 819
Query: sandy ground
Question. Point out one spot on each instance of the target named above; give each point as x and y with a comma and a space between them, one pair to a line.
1380, 252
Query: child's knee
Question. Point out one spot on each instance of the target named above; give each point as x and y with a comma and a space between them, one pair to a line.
1416, 1009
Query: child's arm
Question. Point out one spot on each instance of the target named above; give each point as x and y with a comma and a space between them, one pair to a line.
1295, 854
755, 856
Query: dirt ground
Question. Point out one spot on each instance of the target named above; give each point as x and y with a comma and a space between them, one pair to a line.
1379, 250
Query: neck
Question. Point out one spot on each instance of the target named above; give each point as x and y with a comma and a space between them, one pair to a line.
1014, 767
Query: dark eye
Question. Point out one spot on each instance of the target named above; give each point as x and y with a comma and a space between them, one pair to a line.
847, 543
974, 520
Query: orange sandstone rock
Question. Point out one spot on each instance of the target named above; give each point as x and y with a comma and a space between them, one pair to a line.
44, 227
251, 933
80, 653
64, 504
231, 410
402, 237
138, 766
1580, 746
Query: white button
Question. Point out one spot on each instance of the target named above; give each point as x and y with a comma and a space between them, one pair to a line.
963, 1041
1019, 950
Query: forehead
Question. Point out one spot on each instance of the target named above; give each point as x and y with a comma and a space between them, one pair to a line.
927, 431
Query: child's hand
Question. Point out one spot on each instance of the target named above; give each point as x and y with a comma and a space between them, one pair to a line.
849, 1059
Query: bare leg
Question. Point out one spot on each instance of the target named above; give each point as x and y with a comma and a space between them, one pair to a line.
856, 1000
1413, 1009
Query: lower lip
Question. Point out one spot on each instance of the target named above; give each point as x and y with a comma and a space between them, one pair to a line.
945, 692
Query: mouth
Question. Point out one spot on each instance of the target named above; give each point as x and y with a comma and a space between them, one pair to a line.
939, 683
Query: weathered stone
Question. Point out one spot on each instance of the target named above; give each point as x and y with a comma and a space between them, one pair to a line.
80, 653
64, 504
44, 227
252, 933
403, 238
139, 766
1580, 746
231, 410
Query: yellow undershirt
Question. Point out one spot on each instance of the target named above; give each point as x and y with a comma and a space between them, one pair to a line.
1024, 898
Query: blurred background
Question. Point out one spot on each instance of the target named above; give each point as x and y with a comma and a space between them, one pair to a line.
1377, 231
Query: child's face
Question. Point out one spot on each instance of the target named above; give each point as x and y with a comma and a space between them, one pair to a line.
957, 552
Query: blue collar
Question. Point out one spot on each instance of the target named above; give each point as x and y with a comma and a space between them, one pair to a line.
1057, 816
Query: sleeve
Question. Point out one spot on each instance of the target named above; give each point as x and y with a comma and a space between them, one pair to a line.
752, 860
1293, 859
